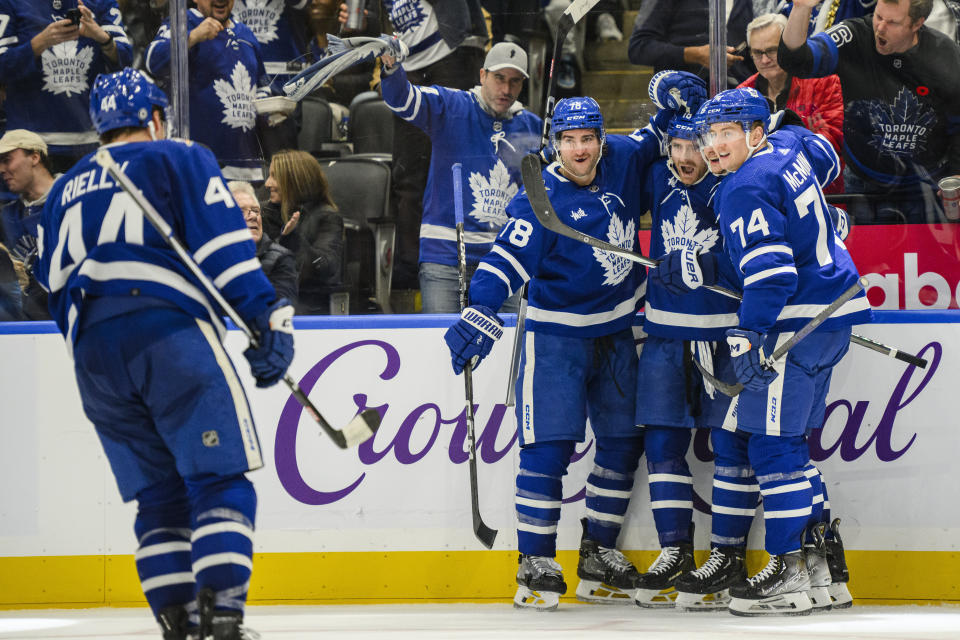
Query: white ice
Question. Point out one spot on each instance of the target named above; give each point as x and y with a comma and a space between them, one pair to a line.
501, 621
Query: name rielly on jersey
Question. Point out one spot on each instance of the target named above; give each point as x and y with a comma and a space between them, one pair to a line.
93, 180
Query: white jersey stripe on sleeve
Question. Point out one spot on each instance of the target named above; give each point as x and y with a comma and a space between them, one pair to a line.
221, 241
237, 270
773, 248
483, 266
506, 255
768, 273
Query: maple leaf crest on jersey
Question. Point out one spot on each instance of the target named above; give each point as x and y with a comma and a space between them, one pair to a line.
237, 97
261, 16
65, 68
490, 196
615, 267
681, 232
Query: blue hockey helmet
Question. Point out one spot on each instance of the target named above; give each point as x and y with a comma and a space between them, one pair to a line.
745, 106
124, 99
577, 113
681, 127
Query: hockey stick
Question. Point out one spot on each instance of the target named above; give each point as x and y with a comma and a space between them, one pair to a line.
571, 16
545, 213
484, 534
734, 389
358, 430
517, 342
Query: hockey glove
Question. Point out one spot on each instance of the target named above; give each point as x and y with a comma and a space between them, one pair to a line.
746, 351
472, 337
274, 327
685, 270
841, 223
678, 90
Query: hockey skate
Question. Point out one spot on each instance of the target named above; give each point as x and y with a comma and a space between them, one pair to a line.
779, 589
174, 622
606, 576
655, 589
816, 556
540, 583
219, 624
708, 588
840, 596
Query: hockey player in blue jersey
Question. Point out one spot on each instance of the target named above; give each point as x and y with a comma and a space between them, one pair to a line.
672, 398
779, 236
487, 131
226, 75
145, 338
578, 359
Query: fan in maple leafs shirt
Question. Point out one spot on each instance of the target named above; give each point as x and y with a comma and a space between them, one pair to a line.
274, 23
47, 66
226, 75
901, 125
463, 128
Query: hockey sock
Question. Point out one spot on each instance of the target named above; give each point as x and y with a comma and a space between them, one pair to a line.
736, 493
671, 483
779, 463
162, 527
816, 507
609, 487
539, 495
223, 514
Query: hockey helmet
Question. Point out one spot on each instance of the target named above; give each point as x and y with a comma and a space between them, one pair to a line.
124, 99
745, 106
682, 128
577, 113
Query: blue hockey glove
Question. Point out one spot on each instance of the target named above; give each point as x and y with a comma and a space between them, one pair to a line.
472, 337
680, 91
274, 327
685, 270
746, 350
841, 223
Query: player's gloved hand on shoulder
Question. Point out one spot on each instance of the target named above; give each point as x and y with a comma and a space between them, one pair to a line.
274, 327
685, 270
680, 91
746, 351
472, 337
841, 222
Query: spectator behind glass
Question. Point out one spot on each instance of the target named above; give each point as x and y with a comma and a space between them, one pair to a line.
48, 65
13, 280
944, 15
279, 27
675, 34
446, 41
276, 260
303, 216
901, 91
225, 72
818, 101
27, 172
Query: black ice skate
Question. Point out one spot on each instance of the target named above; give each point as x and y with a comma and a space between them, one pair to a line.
541, 584
174, 622
780, 589
839, 576
219, 624
816, 556
655, 589
707, 588
606, 576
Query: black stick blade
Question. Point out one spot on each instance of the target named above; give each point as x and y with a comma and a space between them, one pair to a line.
484, 534
732, 390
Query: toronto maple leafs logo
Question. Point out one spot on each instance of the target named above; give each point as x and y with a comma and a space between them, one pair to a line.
491, 195
406, 15
682, 232
901, 128
616, 267
607, 199
261, 16
65, 68
579, 213
237, 97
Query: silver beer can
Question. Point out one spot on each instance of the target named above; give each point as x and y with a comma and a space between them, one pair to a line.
354, 14
950, 197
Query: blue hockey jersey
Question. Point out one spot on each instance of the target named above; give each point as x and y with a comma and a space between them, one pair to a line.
780, 238
225, 74
271, 21
94, 240
575, 290
20, 220
683, 216
490, 150
50, 94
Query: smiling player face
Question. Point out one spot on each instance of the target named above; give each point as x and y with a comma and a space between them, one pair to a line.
579, 151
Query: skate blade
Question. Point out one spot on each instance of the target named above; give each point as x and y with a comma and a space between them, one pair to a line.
840, 597
538, 600
796, 603
820, 599
656, 598
599, 593
703, 601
